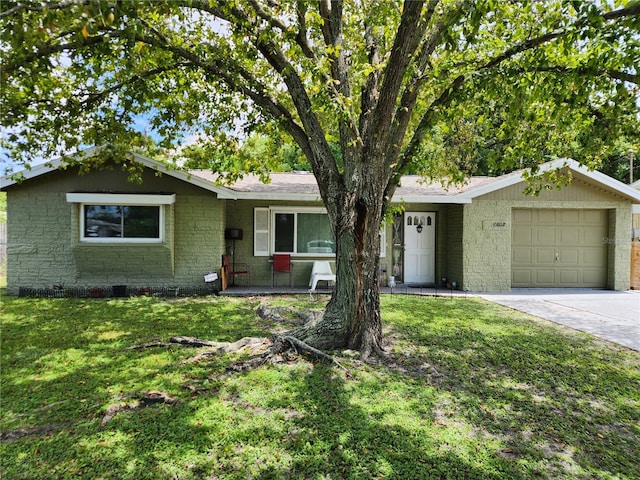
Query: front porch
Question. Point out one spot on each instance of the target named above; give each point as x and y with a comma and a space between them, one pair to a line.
399, 289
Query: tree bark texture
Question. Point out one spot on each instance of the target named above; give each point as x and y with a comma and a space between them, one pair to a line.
352, 316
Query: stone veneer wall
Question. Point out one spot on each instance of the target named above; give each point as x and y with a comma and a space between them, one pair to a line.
39, 243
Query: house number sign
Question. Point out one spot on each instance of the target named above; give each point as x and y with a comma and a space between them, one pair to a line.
489, 225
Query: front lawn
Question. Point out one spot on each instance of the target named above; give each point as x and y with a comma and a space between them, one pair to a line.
471, 391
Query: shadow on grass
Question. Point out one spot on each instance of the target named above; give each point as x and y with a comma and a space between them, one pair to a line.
339, 438
64, 361
516, 399
563, 403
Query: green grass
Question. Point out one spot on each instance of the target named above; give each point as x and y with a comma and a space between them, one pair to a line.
471, 391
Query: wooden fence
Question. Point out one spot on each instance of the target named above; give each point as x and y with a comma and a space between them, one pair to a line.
635, 265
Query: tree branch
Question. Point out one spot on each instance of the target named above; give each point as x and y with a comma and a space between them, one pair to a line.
35, 7
315, 145
370, 90
96, 97
454, 86
406, 42
301, 36
615, 74
47, 50
339, 84
403, 112
272, 21
630, 11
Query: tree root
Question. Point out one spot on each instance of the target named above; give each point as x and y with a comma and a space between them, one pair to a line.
277, 350
11, 435
146, 399
251, 344
314, 352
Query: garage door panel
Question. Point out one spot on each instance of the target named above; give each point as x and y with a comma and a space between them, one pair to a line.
545, 236
568, 256
521, 255
594, 237
568, 277
523, 236
593, 257
569, 216
593, 278
545, 216
559, 248
569, 236
522, 216
544, 256
545, 277
522, 276
594, 217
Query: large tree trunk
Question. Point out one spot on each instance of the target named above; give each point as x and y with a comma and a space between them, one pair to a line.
352, 316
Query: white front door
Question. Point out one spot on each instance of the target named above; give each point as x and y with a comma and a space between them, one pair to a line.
419, 247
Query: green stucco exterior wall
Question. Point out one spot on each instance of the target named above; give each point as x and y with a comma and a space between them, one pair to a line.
240, 215
44, 247
473, 240
486, 237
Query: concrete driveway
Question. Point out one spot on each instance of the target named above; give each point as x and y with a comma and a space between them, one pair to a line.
613, 316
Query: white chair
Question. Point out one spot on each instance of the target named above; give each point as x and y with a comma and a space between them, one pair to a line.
320, 271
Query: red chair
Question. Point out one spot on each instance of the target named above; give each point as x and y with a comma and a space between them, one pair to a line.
281, 263
229, 271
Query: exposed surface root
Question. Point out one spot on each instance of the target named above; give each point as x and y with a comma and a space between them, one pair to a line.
253, 345
24, 432
314, 352
287, 314
138, 401
281, 348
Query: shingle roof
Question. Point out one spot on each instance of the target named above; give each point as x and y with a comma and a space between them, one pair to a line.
303, 186
412, 188
304, 183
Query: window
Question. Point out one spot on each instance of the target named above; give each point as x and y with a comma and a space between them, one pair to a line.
303, 231
285, 229
306, 231
121, 221
121, 218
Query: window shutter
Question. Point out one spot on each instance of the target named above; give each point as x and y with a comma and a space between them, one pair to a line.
260, 232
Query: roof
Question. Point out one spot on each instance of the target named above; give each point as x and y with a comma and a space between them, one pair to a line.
302, 186
53, 165
412, 188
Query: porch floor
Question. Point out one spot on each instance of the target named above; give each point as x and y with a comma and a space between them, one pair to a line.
250, 291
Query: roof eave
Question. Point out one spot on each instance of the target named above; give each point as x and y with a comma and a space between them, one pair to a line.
601, 178
304, 197
221, 192
42, 169
453, 199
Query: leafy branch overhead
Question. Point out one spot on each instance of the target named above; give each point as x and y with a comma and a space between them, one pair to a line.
335, 71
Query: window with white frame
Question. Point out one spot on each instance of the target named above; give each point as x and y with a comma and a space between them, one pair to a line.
121, 221
121, 218
303, 231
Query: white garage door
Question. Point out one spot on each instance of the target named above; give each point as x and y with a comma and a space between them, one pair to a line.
559, 248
